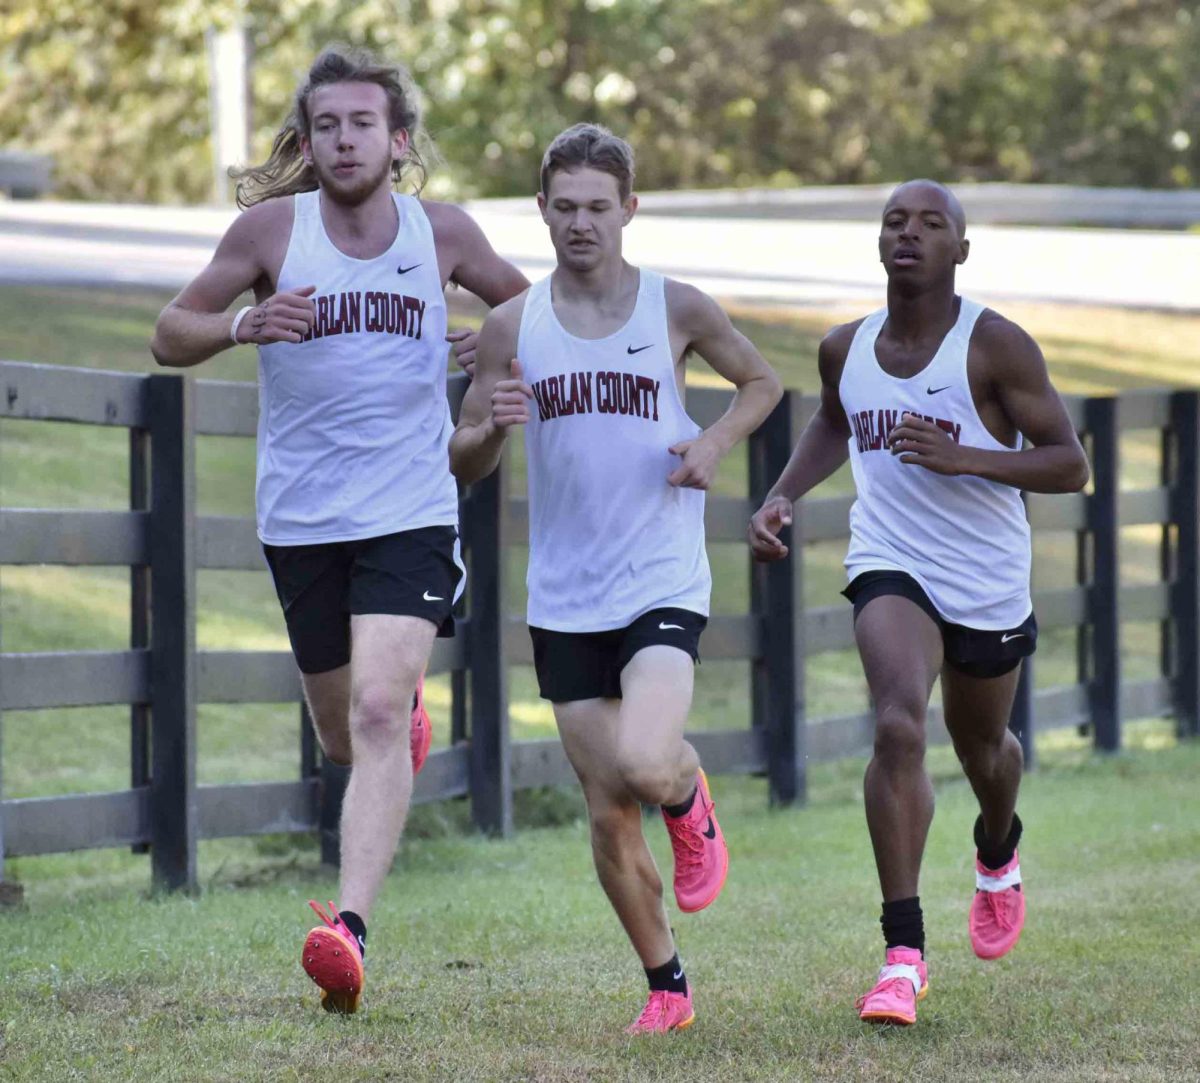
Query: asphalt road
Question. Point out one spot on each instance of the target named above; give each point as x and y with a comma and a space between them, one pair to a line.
760, 260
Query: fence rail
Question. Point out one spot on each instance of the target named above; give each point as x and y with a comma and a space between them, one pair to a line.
162, 676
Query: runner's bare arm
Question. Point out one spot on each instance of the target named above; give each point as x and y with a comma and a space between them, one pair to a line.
196, 325
468, 259
821, 449
497, 399
1015, 376
702, 325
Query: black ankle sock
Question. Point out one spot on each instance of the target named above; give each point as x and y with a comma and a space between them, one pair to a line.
357, 927
993, 855
669, 976
903, 924
681, 810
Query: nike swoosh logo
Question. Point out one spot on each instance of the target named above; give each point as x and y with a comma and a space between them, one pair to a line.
668, 627
935, 390
711, 833
630, 349
432, 597
1016, 635
677, 975
402, 270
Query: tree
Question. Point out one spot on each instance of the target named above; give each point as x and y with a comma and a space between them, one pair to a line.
710, 92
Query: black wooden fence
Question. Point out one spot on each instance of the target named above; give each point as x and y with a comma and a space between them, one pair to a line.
162, 676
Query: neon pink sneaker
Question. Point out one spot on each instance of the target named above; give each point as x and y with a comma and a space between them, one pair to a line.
333, 959
701, 857
997, 910
420, 734
664, 1011
902, 982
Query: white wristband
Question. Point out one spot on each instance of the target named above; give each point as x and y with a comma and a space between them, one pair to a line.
237, 322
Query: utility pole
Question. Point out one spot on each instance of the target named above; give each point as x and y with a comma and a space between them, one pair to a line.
229, 100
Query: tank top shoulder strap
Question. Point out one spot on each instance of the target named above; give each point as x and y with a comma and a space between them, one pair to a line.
959, 338
531, 313
968, 314
412, 217
652, 291
862, 346
307, 207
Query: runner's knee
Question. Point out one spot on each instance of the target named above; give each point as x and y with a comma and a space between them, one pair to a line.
611, 821
336, 749
378, 714
899, 733
651, 783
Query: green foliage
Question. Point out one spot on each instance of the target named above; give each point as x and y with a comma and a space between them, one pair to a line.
711, 92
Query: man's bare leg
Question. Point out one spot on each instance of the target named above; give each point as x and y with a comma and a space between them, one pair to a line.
590, 734
977, 713
901, 650
654, 761
328, 697
389, 653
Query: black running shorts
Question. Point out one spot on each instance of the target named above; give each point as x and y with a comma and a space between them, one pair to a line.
588, 665
414, 573
973, 651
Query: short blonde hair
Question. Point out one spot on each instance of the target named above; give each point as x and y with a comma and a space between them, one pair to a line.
593, 147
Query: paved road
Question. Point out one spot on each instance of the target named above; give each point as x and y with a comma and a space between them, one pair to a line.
769, 261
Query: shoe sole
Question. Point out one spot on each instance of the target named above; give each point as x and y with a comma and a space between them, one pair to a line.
424, 727
998, 955
678, 1026
422, 752
334, 964
886, 1018
695, 908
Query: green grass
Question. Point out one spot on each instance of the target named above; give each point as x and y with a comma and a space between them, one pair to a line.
501, 961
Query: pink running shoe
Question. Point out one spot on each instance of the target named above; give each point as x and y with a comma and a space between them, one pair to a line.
902, 982
664, 1011
997, 910
701, 857
420, 734
333, 959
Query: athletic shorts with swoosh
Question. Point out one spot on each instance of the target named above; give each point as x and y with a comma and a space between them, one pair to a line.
977, 652
413, 573
587, 665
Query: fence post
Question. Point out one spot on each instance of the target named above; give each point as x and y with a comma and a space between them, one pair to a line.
173, 816
1020, 721
11, 893
335, 777
139, 616
1104, 598
485, 532
332, 779
777, 599
1185, 593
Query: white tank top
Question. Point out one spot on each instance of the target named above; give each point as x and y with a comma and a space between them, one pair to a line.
353, 426
964, 539
609, 539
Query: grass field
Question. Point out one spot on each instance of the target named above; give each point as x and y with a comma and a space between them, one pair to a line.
501, 961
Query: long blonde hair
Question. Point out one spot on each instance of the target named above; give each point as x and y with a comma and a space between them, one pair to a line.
285, 172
